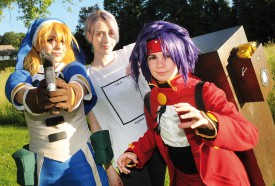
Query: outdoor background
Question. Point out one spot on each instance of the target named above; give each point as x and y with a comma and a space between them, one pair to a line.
197, 16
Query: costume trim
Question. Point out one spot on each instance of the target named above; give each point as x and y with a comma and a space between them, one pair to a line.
212, 123
154, 46
79, 78
39, 28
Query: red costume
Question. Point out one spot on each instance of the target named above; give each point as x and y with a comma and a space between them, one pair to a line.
215, 160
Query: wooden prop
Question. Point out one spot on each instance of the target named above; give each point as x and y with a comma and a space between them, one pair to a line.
246, 83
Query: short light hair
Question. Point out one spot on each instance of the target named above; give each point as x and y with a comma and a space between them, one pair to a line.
93, 18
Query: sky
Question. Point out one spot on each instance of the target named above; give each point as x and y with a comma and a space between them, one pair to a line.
57, 10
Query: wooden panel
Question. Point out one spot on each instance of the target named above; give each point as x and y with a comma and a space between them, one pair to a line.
259, 114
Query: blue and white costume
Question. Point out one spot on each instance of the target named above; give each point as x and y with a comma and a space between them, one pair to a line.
69, 160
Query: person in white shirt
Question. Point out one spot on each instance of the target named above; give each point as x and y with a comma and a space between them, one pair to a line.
119, 108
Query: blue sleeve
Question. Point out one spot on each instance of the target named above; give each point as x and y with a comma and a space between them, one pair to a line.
17, 77
77, 68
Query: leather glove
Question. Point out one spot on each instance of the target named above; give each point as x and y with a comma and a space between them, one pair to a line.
67, 95
37, 100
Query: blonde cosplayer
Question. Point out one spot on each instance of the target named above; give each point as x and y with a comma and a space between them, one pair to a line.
59, 146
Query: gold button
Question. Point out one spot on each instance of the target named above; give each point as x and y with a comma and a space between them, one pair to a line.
162, 99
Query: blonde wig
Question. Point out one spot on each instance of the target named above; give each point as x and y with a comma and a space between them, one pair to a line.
33, 60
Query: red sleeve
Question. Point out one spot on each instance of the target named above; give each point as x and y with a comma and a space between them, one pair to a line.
235, 132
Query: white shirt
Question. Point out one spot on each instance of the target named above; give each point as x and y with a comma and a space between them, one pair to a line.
119, 107
170, 133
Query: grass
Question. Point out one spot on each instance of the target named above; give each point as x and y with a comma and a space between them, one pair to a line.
269, 49
8, 114
11, 139
13, 132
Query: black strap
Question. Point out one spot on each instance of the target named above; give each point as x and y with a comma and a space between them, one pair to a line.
198, 96
147, 102
159, 113
54, 121
161, 110
200, 106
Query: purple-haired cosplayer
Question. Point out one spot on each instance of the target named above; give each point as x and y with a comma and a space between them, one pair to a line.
175, 41
197, 146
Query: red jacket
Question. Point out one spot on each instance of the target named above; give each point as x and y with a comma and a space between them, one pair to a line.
215, 160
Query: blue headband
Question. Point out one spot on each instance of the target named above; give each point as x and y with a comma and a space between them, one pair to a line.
31, 35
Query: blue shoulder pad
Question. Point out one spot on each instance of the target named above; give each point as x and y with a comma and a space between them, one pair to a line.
17, 77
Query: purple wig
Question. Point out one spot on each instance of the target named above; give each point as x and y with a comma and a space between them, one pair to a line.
175, 41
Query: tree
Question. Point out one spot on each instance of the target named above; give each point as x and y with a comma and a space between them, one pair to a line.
130, 17
31, 9
217, 15
79, 34
197, 16
11, 38
257, 17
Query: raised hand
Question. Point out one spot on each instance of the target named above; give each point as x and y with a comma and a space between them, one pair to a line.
192, 118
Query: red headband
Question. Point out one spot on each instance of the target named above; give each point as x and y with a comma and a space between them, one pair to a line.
154, 46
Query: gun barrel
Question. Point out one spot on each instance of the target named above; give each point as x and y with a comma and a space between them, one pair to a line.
49, 70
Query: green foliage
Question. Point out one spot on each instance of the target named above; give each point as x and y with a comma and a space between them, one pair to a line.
83, 14
257, 17
199, 17
131, 15
31, 9
11, 38
4, 4
7, 63
269, 52
80, 36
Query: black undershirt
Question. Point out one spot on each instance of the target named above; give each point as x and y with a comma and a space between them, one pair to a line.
183, 159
